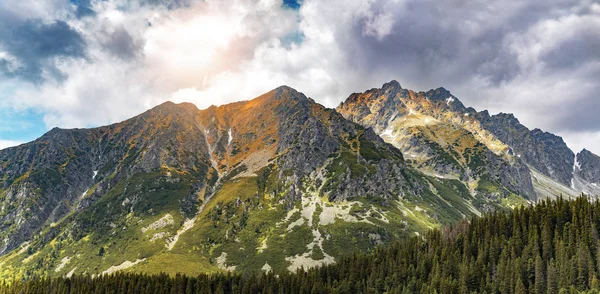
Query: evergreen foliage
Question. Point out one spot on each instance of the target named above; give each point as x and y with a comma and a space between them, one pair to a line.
551, 247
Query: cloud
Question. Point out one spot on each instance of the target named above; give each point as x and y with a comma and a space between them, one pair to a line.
7, 143
32, 49
538, 59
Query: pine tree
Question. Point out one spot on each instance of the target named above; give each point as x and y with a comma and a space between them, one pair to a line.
540, 280
552, 279
520, 287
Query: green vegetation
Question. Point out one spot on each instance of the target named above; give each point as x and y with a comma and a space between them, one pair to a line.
552, 247
107, 233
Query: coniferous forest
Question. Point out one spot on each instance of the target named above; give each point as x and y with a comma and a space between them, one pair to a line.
550, 247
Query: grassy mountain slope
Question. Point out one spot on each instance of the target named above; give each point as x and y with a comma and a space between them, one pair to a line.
551, 247
271, 184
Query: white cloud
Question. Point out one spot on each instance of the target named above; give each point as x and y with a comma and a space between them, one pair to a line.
584, 140
496, 55
46, 10
8, 143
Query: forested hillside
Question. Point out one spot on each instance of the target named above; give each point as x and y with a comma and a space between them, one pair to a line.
551, 247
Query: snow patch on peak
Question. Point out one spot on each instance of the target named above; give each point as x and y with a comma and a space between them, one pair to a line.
576, 168
387, 132
449, 100
577, 164
95, 174
230, 137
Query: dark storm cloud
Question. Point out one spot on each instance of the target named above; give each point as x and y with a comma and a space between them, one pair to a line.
574, 52
36, 46
436, 41
578, 114
458, 43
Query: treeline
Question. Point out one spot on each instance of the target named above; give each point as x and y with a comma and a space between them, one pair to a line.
552, 247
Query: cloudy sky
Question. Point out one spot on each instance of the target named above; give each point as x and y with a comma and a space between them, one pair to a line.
85, 63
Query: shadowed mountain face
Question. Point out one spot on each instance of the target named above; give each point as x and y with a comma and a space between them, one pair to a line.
543, 151
589, 166
586, 173
276, 183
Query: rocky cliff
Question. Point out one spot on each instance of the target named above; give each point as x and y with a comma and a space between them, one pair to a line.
439, 135
276, 183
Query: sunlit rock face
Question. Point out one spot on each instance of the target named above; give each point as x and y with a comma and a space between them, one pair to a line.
276, 183
440, 136
205, 188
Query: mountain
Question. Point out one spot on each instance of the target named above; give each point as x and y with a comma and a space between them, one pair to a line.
586, 172
439, 135
545, 152
276, 183
496, 156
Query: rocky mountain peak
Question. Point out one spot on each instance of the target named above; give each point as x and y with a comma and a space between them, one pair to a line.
277, 182
586, 173
439, 135
545, 152
284, 93
170, 108
393, 84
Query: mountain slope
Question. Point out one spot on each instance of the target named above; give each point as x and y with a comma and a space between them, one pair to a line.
586, 173
275, 183
439, 136
546, 152
437, 132
546, 248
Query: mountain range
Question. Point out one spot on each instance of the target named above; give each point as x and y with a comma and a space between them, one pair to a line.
276, 183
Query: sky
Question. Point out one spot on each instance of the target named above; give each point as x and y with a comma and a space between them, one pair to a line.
86, 63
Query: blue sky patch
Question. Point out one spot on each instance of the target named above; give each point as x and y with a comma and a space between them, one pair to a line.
21, 126
292, 4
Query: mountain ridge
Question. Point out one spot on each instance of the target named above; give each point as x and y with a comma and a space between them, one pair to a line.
502, 133
275, 183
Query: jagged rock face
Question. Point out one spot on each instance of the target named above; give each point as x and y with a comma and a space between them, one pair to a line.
278, 182
586, 173
199, 186
543, 151
438, 134
66, 170
589, 166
